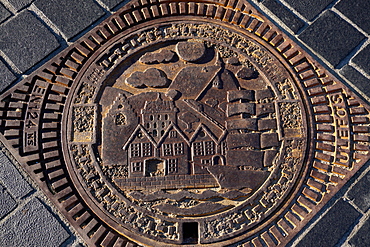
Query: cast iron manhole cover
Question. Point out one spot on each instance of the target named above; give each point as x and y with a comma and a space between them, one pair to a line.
186, 123
180, 140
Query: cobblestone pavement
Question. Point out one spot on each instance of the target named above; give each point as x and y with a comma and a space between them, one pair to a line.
335, 32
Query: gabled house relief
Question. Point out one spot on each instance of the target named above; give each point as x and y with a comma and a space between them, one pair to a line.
186, 123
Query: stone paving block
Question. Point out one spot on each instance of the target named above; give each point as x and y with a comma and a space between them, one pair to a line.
70, 16
20, 4
330, 229
362, 59
6, 76
7, 203
362, 237
4, 13
309, 8
112, 3
357, 11
360, 193
332, 37
360, 81
32, 225
285, 15
27, 40
12, 179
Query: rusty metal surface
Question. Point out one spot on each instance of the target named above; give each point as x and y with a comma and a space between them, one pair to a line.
177, 123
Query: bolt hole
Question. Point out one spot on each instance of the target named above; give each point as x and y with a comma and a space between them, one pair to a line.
190, 232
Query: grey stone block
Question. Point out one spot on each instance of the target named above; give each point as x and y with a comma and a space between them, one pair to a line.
285, 15
26, 41
6, 77
113, 3
332, 37
70, 16
360, 193
362, 59
330, 229
360, 81
7, 203
12, 179
20, 4
4, 13
32, 225
357, 11
362, 237
309, 8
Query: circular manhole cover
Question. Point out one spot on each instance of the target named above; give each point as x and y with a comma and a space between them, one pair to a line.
193, 133
186, 123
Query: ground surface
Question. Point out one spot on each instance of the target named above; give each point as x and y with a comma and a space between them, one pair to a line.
335, 32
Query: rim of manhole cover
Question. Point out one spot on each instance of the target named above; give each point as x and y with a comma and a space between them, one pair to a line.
186, 123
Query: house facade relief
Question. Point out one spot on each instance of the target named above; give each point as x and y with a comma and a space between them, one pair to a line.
196, 113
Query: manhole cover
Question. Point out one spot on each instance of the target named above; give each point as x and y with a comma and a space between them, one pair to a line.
186, 123
179, 140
